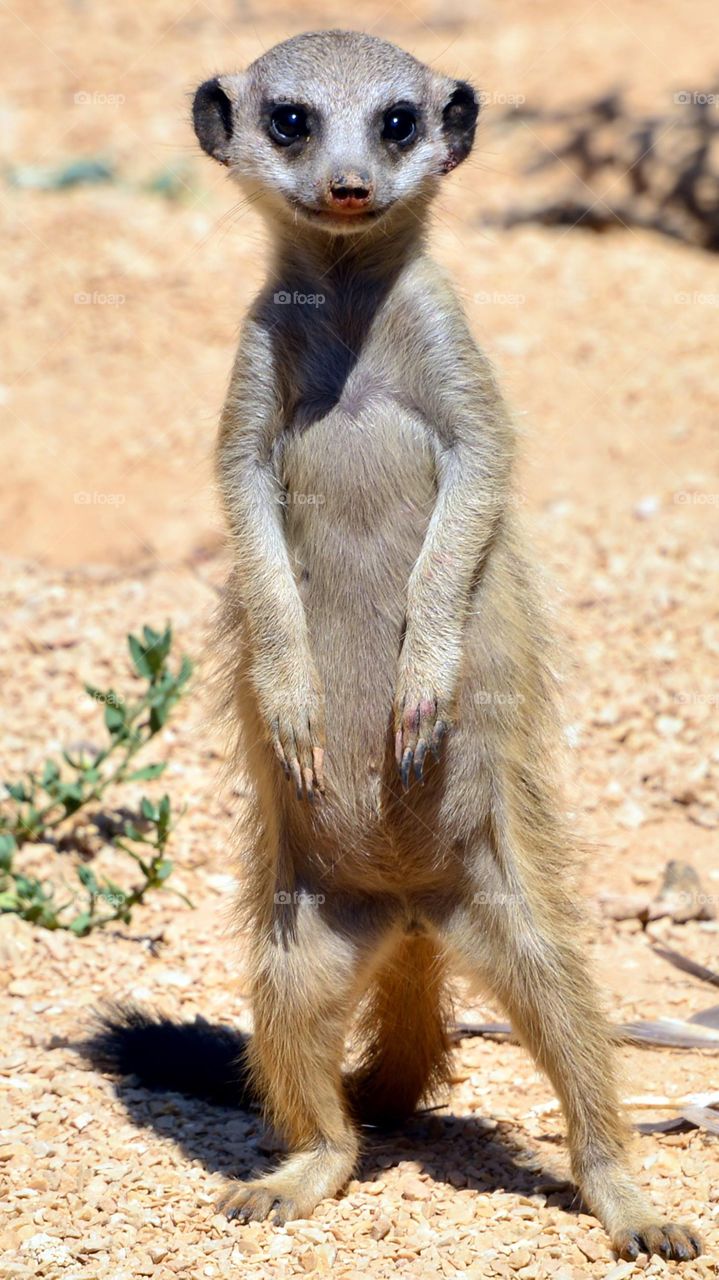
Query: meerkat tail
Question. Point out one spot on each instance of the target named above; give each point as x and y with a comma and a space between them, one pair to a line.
404, 1029
199, 1059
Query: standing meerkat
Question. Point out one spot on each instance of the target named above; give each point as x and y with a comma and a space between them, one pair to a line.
386, 648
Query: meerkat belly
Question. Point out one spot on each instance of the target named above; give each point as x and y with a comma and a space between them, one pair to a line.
359, 493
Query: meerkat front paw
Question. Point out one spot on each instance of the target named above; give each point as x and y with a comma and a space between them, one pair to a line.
298, 740
421, 720
294, 713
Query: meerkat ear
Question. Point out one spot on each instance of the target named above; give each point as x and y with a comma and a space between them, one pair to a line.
213, 115
459, 120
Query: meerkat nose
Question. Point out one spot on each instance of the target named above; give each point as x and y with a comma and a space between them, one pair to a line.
350, 191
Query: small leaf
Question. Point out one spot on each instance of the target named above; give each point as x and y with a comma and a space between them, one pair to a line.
148, 810
71, 795
87, 876
156, 649
185, 671
81, 924
139, 657
31, 823
148, 772
69, 174
30, 888
113, 894
17, 791
8, 847
158, 716
114, 718
50, 774
163, 817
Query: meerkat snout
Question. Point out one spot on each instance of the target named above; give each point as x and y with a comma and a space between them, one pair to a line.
337, 129
350, 192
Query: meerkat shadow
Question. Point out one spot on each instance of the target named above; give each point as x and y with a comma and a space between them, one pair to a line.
467, 1153
187, 1081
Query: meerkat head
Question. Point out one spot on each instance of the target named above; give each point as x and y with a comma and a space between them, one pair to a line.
336, 129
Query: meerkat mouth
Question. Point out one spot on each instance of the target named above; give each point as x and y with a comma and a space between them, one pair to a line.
339, 218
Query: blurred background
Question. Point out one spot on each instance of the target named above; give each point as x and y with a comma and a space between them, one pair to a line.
579, 234
582, 235
128, 262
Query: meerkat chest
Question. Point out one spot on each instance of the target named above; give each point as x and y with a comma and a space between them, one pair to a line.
356, 455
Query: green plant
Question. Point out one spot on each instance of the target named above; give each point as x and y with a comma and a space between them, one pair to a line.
42, 802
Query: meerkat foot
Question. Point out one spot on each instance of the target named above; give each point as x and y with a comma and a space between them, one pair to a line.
671, 1240
291, 1191
632, 1225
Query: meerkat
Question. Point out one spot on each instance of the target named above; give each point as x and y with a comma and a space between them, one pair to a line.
388, 662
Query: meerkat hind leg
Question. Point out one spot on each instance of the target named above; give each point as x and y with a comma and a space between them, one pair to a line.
306, 984
534, 966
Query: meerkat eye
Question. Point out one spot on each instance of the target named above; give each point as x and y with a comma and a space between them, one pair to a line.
288, 123
400, 125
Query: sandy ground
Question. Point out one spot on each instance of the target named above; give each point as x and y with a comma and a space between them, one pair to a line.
606, 348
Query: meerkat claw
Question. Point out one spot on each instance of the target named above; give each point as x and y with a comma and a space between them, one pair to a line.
419, 755
440, 730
